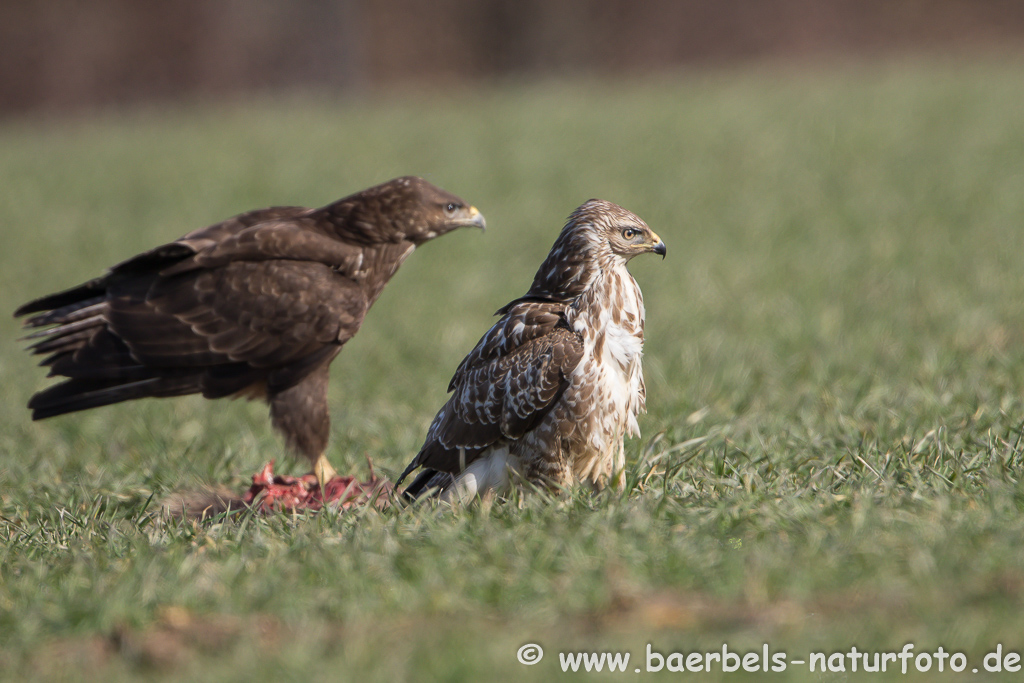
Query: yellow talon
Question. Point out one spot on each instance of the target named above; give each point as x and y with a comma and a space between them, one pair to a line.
323, 470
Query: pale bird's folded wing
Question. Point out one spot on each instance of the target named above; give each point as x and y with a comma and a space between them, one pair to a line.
504, 386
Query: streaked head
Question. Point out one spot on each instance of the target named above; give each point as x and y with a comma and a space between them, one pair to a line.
597, 235
609, 225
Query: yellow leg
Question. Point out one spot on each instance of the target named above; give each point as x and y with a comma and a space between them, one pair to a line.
323, 470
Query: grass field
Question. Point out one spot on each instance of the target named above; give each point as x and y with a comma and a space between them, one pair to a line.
835, 368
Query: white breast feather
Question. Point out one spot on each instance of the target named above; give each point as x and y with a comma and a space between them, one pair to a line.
617, 374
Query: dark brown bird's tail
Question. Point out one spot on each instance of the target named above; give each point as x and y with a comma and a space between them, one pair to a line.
57, 306
99, 366
64, 322
81, 394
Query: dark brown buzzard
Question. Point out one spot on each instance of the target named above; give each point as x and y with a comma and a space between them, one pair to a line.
553, 387
256, 306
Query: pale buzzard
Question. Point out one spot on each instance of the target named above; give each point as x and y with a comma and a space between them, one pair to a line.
554, 386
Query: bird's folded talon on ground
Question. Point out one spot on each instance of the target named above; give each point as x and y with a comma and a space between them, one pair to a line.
323, 471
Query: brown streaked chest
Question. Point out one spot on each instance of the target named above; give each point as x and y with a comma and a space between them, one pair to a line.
610, 317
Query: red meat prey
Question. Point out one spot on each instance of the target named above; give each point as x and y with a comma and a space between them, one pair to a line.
282, 492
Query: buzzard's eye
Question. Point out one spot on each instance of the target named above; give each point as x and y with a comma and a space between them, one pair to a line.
629, 233
452, 207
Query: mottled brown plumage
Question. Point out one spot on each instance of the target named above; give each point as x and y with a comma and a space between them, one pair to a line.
255, 306
552, 388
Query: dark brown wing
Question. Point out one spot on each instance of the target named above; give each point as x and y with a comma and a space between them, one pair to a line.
292, 232
267, 315
53, 308
296, 239
504, 386
261, 298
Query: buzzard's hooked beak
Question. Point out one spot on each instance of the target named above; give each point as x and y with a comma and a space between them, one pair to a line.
659, 246
476, 219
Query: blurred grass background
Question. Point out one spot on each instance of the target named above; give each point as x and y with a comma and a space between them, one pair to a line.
834, 368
